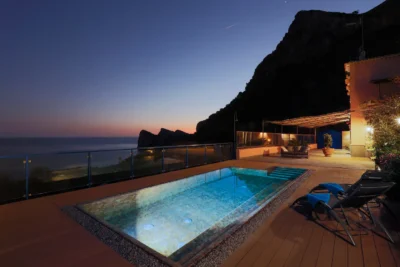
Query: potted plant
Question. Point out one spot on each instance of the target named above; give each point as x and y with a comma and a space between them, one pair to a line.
328, 150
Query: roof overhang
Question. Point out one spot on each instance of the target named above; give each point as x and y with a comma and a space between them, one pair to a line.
316, 121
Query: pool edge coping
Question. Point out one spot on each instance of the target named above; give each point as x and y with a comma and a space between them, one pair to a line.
203, 257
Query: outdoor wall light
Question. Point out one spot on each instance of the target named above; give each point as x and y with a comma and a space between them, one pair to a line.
398, 120
370, 129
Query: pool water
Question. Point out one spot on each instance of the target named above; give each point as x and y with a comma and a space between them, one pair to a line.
168, 217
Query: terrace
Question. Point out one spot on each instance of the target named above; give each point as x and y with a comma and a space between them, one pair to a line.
40, 234
341, 159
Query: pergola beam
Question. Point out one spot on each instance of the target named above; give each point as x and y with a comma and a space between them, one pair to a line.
316, 121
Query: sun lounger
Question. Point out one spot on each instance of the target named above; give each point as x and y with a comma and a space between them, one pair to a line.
356, 197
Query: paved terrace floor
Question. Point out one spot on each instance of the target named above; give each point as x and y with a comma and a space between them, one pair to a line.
37, 233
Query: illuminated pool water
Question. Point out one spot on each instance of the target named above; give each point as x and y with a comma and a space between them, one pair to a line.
178, 218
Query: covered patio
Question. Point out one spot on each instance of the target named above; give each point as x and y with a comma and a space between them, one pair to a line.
273, 150
314, 122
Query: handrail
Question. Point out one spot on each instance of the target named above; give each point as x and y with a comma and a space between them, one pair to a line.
257, 139
28, 164
107, 150
273, 133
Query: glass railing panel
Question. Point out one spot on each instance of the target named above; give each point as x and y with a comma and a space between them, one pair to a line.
252, 139
279, 139
240, 139
147, 162
245, 139
196, 156
213, 153
57, 172
174, 158
226, 151
258, 138
108, 166
12, 179
285, 139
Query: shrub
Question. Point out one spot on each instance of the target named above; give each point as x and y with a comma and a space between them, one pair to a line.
391, 163
328, 140
382, 116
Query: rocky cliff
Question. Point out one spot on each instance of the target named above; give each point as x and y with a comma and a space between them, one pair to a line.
305, 74
164, 138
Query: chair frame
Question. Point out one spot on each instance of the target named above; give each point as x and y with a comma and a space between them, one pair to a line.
341, 204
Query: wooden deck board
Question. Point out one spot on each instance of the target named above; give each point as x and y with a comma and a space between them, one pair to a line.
281, 256
279, 235
340, 251
310, 256
262, 242
296, 254
383, 250
327, 246
354, 253
369, 250
395, 248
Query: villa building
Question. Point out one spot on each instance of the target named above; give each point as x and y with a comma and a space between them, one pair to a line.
368, 80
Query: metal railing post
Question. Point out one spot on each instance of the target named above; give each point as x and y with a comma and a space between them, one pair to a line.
220, 152
162, 161
89, 170
187, 157
132, 173
205, 154
26, 162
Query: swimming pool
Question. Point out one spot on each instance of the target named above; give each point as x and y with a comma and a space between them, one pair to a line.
177, 220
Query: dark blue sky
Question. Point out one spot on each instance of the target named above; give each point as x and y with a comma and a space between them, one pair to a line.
112, 68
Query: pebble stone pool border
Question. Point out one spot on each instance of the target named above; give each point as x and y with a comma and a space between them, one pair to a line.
213, 255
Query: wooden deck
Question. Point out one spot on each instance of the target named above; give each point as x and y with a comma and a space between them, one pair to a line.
37, 233
289, 239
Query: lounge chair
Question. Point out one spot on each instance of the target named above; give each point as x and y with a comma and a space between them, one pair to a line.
340, 189
357, 198
301, 152
369, 176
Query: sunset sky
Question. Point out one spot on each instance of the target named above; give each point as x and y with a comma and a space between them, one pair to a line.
112, 68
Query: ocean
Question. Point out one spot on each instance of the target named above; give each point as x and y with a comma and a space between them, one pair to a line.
22, 146
40, 149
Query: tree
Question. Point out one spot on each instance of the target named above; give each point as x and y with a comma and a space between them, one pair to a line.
356, 12
383, 117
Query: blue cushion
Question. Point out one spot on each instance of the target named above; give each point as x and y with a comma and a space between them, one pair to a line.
333, 188
315, 198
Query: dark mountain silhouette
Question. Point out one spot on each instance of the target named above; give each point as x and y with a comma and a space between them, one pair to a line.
305, 74
164, 138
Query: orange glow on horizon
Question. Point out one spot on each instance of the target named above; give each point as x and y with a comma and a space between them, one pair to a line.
85, 129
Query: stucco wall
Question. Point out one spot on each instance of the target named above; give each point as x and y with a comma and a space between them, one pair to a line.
256, 151
346, 139
362, 90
